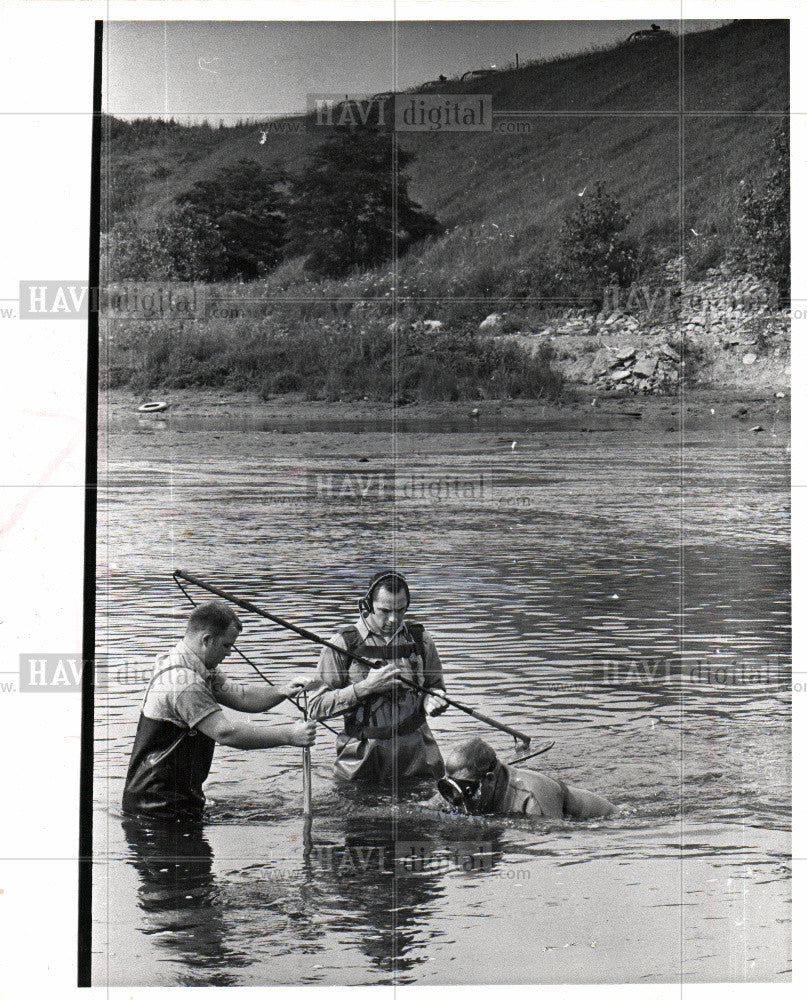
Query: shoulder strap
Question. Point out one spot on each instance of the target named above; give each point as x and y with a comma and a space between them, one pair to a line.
351, 636
352, 639
416, 630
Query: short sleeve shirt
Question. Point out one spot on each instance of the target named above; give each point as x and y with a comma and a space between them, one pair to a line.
182, 690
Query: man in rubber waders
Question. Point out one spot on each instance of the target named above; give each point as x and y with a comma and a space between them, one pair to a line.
181, 720
386, 738
476, 781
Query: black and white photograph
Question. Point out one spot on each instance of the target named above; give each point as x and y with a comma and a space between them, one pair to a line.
437, 622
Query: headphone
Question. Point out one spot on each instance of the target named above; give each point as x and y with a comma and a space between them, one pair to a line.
366, 602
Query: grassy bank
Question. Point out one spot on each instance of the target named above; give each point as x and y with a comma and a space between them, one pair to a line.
327, 358
502, 197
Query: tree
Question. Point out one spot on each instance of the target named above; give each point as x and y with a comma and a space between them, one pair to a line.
231, 226
342, 206
596, 254
765, 220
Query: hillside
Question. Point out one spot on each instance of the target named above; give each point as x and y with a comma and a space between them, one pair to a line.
678, 129
528, 181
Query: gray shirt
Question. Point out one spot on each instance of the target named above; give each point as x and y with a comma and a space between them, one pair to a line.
182, 690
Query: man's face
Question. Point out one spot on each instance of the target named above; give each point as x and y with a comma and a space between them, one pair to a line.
388, 611
216, 647
478, 792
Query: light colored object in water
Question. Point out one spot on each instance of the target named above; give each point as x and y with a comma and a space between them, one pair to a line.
156, 407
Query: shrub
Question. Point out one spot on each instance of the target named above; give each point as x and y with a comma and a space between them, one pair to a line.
594, 251
342, 209
765, 221
229, 227
132, 252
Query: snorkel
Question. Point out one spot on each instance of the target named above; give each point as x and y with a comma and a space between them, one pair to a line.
456, 795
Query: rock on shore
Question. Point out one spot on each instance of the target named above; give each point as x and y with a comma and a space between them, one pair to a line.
723, 330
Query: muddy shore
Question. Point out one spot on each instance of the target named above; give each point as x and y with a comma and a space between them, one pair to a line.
694, 408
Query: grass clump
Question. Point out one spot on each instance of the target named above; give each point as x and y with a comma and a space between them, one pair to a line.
329, 361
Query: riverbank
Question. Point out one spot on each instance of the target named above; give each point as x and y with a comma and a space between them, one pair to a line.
757, 414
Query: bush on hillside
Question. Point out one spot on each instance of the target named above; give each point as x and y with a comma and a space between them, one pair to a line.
766, 218
232, 226
594, 249
342, 207
243, 208
129, 252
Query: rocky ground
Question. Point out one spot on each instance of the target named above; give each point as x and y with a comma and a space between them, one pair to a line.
723, 332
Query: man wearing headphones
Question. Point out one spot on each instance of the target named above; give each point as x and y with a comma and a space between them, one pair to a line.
386, 737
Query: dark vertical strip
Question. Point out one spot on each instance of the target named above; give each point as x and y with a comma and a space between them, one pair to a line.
682, 622
90, 520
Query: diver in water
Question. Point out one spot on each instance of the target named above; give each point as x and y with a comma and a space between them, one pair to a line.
476, 781
386, 737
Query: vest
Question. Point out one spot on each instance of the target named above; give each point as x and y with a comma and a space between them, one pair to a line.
385, 716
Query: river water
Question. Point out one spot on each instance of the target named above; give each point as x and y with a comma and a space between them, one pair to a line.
620, 591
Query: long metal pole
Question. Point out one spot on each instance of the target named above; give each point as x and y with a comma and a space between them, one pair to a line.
306, 768
312, 637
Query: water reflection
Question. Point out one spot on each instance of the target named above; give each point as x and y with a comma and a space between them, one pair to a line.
384, 882
375, 887
181, 900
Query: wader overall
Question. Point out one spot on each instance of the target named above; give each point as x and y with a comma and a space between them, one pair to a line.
167, 768
386, 737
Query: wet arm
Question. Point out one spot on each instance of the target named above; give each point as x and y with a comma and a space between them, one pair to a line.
248, 697
244, 736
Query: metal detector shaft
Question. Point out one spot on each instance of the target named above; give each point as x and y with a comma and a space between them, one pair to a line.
306, 771
312, 637
306, 781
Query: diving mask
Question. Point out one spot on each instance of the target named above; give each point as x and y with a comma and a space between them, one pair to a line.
460, 792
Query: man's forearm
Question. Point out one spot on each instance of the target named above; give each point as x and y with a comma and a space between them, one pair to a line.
255, 698
266, 699
247, 737
329, 701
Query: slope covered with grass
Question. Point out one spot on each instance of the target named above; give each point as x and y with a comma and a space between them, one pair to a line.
676, 128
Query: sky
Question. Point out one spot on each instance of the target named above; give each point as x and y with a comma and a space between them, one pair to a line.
251, 69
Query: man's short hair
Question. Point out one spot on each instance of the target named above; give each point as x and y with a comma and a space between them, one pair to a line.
213, 617
387, 580
474, 756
